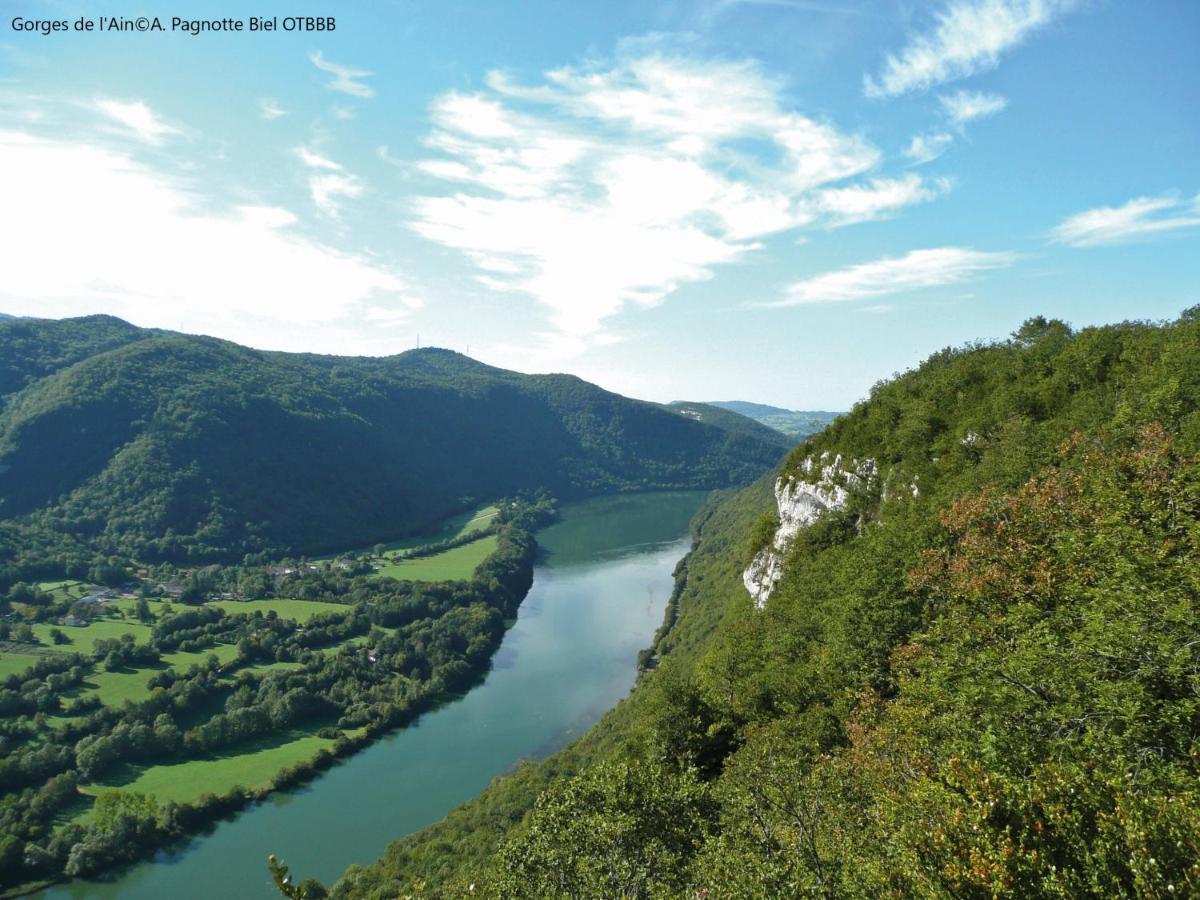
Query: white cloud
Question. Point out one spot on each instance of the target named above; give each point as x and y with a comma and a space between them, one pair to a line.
967, 36
1139, 217
329, 182
316, 161
877, 198
925, 148
916, 270
967, 106
602, 189
136, 117
345, 79
88, 228
269, 109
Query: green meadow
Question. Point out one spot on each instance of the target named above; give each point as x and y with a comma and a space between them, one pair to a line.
83, 639
452, 565
251, 766
299, 610
13, 663
454, 527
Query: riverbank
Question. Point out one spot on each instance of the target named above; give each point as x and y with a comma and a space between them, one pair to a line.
598, 596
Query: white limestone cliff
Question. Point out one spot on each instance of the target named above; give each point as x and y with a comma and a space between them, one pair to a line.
800, 502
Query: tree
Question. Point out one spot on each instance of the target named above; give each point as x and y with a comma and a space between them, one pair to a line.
59, 636
309, 889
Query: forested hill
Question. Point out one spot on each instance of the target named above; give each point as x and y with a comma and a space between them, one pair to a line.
158, 445
731, 421
975, 674
796, 424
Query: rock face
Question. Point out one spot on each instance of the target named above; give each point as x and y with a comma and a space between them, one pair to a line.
800, 502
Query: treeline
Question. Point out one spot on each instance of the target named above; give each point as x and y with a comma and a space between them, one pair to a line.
417, 645
983, 688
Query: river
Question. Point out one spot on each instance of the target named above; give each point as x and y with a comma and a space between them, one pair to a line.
599, 592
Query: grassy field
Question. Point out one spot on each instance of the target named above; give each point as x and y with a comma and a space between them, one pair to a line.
456, 526
114, 688
13, 663
157, 607
299, 610
452, 565
186, 781
82, 639
61, 589
182, 661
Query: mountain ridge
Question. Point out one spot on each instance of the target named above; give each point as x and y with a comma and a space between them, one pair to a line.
160, 445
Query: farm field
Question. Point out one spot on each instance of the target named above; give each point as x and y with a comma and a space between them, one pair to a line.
254, 766
157, 607
452, 565
83, 639
454, 527
183, 660
63, 588
299, 610
12, 663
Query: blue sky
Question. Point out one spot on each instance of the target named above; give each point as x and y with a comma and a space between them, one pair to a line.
775, 200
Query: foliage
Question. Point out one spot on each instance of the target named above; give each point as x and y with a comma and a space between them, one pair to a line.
118, 443
985, 687
189, 745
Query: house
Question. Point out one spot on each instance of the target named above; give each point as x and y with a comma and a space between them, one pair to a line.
101, 595
73, 621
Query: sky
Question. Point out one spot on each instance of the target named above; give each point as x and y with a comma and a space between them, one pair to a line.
771, 200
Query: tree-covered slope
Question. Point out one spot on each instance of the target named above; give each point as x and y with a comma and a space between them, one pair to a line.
162, 445
33, 348
795, 423
982, 687
734, 422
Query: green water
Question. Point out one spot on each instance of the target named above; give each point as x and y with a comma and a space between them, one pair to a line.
598, 595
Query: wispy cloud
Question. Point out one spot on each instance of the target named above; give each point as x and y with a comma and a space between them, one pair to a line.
1138, 217
925, 148
345, 79
965, 37
141, 243
916, 270
328, 182
959, 109
967, 106
600, 189
878, 198
135, 118
269, 109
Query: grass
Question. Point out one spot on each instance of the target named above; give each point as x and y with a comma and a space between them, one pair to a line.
186, 781
299, 610
453, 565
60, 589
264, 668
14, 663
455, 526
157, 607
83, 639
114, 688
184, 661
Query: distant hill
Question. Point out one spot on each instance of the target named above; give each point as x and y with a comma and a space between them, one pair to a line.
731, 420
796, 424
157, 445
